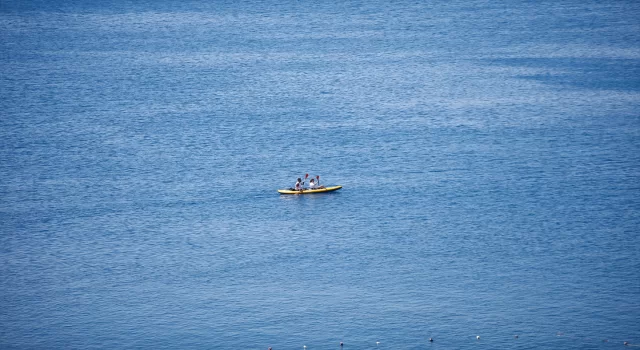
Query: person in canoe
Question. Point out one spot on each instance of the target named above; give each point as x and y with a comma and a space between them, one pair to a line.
313, 185
299, 185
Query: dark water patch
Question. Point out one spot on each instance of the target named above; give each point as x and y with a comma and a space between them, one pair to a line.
580, 73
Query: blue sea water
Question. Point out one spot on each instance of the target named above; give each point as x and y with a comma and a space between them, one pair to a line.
489, 153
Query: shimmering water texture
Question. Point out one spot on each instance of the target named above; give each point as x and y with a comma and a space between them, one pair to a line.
489, 154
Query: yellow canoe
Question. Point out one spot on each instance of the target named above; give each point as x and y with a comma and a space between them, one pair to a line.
317, 190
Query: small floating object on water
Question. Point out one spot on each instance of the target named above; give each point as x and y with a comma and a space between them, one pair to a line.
341, 344
430, 340
377, 343
626, 343
477, 337
515, 336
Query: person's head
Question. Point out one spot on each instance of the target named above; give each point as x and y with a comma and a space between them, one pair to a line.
299, 180
311, 181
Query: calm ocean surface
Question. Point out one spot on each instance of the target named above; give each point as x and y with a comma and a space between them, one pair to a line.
489, 153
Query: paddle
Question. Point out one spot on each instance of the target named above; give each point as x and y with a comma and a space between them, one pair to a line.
318, 178
305, 179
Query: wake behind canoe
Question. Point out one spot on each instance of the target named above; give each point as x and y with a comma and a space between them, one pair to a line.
317, 190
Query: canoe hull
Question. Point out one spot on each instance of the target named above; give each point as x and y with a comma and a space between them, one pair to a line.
319, 190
